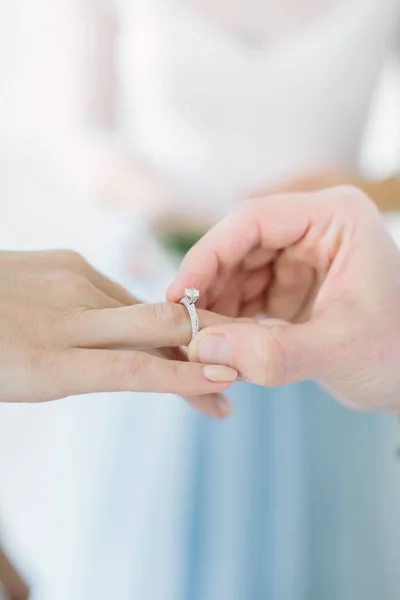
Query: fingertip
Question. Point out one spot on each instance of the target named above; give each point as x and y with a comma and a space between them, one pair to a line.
219, 374
213, 406
222, 407
174, 292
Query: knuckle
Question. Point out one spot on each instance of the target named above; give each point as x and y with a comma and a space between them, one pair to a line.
349, 196
68, 292
67, 258
73, 257
41, 372
269, 359
54, 279
126, 368
73, 286
168, 314
177, 370
251, 206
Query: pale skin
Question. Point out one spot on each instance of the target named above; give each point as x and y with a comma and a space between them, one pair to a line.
11, 581
325, 273
66, 329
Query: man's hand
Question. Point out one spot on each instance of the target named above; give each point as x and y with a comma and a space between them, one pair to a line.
66, 329
325, 272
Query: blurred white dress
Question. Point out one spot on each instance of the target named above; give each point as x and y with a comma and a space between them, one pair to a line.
228, 113
293, 497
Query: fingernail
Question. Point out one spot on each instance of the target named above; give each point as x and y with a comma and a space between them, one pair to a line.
214, 349
219, 374
222, 406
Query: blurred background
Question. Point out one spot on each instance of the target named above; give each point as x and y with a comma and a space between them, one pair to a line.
126, 129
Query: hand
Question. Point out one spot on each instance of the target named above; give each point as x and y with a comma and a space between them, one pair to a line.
11, 581
66, 329
326, 272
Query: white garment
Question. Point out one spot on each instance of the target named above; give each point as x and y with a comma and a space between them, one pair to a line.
226, 119
263, 20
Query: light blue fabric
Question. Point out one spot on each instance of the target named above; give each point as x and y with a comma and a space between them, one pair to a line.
292, 498
287, 503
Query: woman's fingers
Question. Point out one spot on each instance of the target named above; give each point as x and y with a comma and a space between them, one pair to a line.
211, 405
139, 326
81, 371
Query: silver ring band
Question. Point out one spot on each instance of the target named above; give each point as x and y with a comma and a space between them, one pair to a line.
189, 300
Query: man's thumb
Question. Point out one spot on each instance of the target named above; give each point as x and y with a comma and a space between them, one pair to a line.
269, 353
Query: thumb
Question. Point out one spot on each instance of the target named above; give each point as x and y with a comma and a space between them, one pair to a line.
272, 352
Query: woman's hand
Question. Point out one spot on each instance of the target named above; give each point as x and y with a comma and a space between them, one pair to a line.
325, 271
66, 329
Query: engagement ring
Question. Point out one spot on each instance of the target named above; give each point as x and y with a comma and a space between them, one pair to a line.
189, 299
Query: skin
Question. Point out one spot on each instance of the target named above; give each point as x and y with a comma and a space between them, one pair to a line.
325, 271
66, 329
11, 581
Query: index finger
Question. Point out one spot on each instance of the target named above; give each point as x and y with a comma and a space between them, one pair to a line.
273, 222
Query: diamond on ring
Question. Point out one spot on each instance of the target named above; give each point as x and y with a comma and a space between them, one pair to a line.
189, 299
192, 295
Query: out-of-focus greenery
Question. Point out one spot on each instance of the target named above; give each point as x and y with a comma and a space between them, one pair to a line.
179, 241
